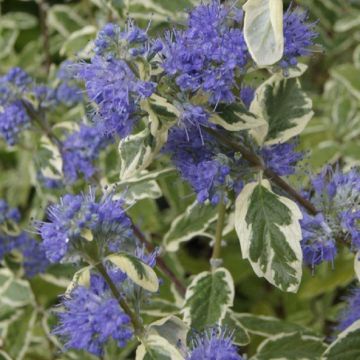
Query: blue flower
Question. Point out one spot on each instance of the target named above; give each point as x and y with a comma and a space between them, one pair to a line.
113, 87
350, 221
206, 54
352, 311
281, 158
213, 344
299, 36
98, 316
80, 150
76, 216
7, 213
247, 94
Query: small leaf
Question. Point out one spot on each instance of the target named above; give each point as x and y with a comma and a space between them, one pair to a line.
241, 336
346, 346
208, 298
194, 221
349, 76
290, 347
269, 232
81, 277
263, 30
139, 272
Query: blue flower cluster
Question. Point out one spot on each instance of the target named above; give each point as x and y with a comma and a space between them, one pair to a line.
352, 310
113, 87
299, 37
80, 150
13, 115
337, 196
208, 52
92, 316
79, 222
33, 257
214, 344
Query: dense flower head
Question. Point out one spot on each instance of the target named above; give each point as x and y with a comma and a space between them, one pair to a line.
116, 91
213, 344
80, 150
195, 155
352, 310
18, 77
79, 221
299, 36
281, 158
98, 316
206, 54
337, 196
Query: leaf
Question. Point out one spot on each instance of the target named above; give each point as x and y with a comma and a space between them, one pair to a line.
284, 107
159, 307
349, 76
171, 328
269, 232
346, 23
290, 347
142, 190
77, 40
81, 277
139, 272
194, 221
208, 297
18, 334
235, 117
357, 264
18, 20
267, 326
157, 348
346, 346
263, 30
241, 336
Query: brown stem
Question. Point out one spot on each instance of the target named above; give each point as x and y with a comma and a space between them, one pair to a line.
160, 262
270, 174
45, 33
138, 326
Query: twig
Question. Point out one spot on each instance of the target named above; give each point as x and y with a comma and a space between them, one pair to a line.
45, 33
160, 262
258, 162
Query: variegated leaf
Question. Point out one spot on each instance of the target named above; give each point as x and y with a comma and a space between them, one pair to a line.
269, 232
263, 30
208, 298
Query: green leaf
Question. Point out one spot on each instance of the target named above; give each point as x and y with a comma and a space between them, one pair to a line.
158, 307
81, 277
267, 326
18, 334
155, 347
346, 346
18, 20
294, 346
263, 30
284, 107
235, 117
349, 76
346, 23
193, 222
77, 41
208, 298
139, 272
241, 336
269, 232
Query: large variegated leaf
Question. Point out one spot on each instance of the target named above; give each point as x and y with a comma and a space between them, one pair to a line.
139, 272
193, 222
284, 107
346, 346
235, 117
269, 231
208, 298
156, 347
293, 346
267, 326
263, 30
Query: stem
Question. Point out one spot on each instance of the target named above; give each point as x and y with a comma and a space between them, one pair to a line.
45, 33
219, 229
270, 174
160, 262
138, 326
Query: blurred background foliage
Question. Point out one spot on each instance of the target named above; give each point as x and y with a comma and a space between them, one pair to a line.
39, 34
